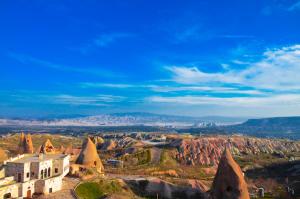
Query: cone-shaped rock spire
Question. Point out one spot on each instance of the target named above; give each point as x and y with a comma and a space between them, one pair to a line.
25, 144
47, 148
28, 147
21, 143
229, 181
89, 156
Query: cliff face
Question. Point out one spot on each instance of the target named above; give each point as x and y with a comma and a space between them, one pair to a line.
229, 181
208, 150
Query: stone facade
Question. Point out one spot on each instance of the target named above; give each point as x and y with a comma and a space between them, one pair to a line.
29, 174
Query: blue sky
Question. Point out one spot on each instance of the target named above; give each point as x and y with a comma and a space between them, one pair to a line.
229, 58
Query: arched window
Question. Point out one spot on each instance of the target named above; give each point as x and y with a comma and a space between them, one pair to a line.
42, 174
49, 172
45, 173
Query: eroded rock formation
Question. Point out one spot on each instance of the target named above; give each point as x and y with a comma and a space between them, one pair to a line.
229, 182
154, 187
89, 157
208, 150
98, 141
47, 147
25, 144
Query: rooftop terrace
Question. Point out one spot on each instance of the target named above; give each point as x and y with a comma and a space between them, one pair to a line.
36, 158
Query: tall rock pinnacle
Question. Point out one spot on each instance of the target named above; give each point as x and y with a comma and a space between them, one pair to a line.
28, 147
25, 144
229, 182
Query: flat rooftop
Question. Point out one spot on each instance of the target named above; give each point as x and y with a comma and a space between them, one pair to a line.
37, 158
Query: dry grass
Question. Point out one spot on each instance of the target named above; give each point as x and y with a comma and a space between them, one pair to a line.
10, 143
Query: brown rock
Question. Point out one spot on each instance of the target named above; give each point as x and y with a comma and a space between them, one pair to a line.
25, 144
3, 155
197, 184
28, 147
229, 181
207, 150
21, 143
109, 145
89, 156
47, 148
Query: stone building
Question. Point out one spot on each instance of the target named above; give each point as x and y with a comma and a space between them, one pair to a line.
33, 173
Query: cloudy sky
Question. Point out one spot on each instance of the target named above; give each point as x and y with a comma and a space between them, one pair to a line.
198, 58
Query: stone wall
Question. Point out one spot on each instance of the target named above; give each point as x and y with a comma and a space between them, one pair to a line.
11, 190
27, 188
54, 183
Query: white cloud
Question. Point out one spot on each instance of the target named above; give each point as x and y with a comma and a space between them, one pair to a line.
278, 70
274, 100
177, 88
98, 100
208, 89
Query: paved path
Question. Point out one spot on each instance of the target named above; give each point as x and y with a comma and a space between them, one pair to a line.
124, 177
65, 193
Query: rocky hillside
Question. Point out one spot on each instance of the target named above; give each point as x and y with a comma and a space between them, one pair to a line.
122, 143
208, 150
284, 127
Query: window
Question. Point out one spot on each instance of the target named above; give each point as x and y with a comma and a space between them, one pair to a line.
27, 175
49, 170
42, 174
95, 163
45, 173
50, 190
56, 170
19, 177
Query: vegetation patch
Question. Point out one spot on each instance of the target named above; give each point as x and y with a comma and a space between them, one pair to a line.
98, 189
166, 159
89, 190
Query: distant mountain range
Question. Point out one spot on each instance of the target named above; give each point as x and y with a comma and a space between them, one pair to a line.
288, 127
126, 119
285, 127
280, 127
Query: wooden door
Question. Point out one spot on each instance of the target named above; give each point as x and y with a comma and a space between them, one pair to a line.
29, 194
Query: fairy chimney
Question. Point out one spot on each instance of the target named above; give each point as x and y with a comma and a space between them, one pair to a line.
21, 143
89, 157
28, 147
229, 182
25, 144
47, 148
